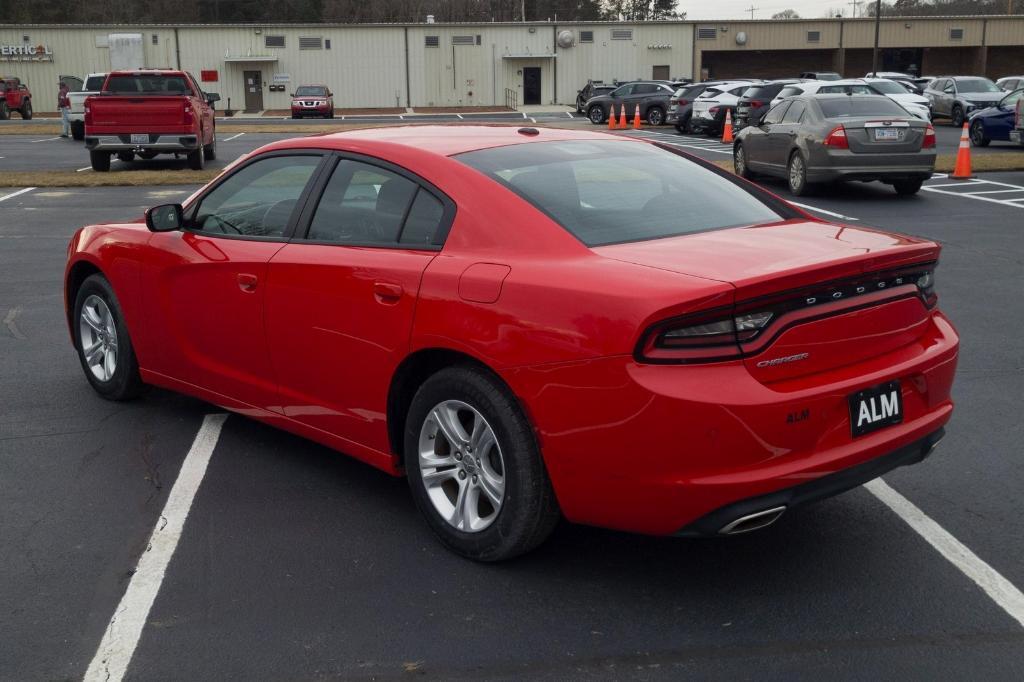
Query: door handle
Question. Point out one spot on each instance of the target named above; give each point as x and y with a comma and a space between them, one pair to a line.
247, 282
386, 292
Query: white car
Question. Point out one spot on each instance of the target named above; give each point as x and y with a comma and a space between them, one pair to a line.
1011, 83
91, 86
916, 104
708, 114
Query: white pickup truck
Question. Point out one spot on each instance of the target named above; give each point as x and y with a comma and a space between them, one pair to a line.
92, 86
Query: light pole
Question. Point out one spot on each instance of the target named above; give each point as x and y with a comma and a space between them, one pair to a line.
874, 52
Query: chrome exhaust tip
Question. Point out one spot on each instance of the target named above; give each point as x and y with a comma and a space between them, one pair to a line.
755, 521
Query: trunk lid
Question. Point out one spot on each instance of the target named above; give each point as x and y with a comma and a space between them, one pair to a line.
883, 136
800, 260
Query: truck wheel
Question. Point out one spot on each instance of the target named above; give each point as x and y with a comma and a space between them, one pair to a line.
210, 150
78, 131
100, 161
26, 110
197, 159
126, 157
5, 113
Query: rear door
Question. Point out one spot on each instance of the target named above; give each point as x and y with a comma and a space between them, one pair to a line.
208, 281
342, 295
783, 134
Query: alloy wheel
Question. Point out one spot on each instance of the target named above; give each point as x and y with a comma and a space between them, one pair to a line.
796, 173
461, 466
739, 161
98, 338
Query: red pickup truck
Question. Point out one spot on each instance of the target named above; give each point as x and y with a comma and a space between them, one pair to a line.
14, 96
150, 112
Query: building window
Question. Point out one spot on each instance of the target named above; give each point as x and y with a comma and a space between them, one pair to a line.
814, 36
433, 41
956, 34
156, 39
311, 43
478, 38
586, 36
273, 41
707, 33
327, 44
463, 40
622, 34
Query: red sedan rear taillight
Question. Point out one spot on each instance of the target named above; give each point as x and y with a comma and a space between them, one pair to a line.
929, 137
837, 138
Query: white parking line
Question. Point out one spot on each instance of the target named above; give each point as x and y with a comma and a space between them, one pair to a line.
821, 210
979, 195
232, 137
85, 168
14, 194
49, 139
122, 635
998, 588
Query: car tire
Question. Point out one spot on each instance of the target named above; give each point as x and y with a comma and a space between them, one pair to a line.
100, 161
295, 116
977, 134
796, 175
739, 162
330, 114
957, 117
78, 131
907, 187
101, 334
596, 115
5, 113
197, 158
510, 466
126, 157
26, 110
656, 116
210, 150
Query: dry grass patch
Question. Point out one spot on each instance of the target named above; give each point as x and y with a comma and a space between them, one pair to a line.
125, 178
31, 129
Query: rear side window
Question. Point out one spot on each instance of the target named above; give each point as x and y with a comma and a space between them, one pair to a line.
795, 112
362, 204
424, 221
142, 84
607, 192
839, 107
711, 92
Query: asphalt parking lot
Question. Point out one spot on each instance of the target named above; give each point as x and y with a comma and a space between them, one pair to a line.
299, 563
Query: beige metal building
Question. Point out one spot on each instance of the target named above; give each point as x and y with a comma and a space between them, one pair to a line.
467, 65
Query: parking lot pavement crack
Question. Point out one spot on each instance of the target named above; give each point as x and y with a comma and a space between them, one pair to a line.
12, 326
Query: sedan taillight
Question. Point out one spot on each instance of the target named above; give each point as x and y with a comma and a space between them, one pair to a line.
929, 137
837, 138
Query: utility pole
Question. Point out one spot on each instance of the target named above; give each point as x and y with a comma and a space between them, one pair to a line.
752, 9
856, 4
874, 52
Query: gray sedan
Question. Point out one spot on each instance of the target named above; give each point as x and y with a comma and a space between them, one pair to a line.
827, 138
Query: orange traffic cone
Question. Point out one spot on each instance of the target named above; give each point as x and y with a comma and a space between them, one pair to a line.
611, 118
962, 170
622, 118
727, 130
636, 118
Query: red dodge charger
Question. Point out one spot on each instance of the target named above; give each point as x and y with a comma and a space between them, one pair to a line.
530, 324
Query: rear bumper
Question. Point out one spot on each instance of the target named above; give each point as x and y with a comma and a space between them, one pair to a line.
157, 143
846, 165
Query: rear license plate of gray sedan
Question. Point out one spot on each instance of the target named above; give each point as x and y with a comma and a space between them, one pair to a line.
887, 134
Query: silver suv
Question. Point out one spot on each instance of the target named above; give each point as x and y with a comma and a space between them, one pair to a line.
955, 97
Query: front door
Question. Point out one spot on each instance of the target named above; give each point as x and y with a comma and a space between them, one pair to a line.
209, 280
341, 299
531, 85
253, 91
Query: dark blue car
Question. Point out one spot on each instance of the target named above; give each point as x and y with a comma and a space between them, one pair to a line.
996, 122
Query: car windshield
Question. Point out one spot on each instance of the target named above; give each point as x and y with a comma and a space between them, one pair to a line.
607, 192
976, 85
311, 91
148, 84
94, 83
888, 88
842, 107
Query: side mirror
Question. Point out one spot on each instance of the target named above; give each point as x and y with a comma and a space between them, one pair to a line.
165, 218
212, 97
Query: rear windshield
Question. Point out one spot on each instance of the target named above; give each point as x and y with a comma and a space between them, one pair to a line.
828, 76
845, 90
976, 85
606, 192
148, 84
889, 88
764, 91
790, 90
840, 107
690, 91
94, 83
311, 91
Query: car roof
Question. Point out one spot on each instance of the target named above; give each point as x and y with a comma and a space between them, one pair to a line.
443, 140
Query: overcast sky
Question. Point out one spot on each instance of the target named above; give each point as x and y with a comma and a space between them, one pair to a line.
738, 9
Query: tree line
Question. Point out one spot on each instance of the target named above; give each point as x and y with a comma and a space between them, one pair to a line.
331, 11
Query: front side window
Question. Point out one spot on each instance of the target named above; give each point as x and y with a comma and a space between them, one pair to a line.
258, 200
623, 91
607, 192
362, 204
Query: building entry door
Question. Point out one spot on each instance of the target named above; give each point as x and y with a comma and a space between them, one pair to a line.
253, 91
531, 85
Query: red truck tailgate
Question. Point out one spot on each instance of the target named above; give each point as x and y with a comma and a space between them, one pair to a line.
149, 114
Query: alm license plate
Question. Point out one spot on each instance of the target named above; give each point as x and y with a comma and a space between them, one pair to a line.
887, 134
140, 138
875, 408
